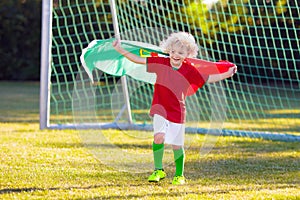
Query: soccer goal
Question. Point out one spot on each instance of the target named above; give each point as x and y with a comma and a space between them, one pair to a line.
260, 37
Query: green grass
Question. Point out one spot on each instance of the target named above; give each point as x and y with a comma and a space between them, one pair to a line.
59, 164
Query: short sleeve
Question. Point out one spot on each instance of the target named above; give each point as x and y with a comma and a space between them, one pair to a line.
197, 80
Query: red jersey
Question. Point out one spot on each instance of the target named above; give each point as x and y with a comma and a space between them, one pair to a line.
173, 86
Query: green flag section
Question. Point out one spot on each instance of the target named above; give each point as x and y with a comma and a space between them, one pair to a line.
100, 54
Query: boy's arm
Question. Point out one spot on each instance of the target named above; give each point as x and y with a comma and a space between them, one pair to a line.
218, 77
130, 56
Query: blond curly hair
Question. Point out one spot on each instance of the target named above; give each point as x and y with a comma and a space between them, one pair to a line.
182, 38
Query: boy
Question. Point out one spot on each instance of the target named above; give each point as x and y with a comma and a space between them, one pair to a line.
177, 77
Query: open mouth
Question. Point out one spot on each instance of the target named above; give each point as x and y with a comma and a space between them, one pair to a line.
176, 59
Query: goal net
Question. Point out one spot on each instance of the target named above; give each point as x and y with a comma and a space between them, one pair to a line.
260, 37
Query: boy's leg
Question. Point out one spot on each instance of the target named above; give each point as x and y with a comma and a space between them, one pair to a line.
158, 148
159, 125
179, 160
158, 152
179, 163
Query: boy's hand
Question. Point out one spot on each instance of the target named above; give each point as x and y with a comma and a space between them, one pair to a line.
130, 56
232, 70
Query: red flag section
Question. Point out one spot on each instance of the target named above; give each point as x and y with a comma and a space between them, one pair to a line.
207, 67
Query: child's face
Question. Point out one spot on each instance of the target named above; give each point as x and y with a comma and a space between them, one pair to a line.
178, 53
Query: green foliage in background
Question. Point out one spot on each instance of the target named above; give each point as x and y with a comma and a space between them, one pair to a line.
253, 22
20, 31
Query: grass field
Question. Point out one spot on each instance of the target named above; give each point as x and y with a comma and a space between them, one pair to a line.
55, 164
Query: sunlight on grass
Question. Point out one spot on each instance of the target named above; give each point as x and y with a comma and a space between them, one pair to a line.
72, 164
276, 125
56, 165
284, 111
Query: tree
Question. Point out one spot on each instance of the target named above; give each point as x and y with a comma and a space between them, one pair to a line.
20, 39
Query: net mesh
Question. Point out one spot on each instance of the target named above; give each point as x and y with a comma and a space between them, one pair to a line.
260, 37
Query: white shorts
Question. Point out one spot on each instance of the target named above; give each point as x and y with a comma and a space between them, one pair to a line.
174, 132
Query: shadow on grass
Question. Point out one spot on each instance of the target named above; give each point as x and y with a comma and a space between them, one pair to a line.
171, 193
179, 193
34, 189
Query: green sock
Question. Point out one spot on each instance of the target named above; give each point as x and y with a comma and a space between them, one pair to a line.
158, 153
179, 161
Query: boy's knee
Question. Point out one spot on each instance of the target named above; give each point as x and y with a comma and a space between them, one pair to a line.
159, 138
176, 147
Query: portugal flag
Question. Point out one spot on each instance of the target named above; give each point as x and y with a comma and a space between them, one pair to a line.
100, 54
